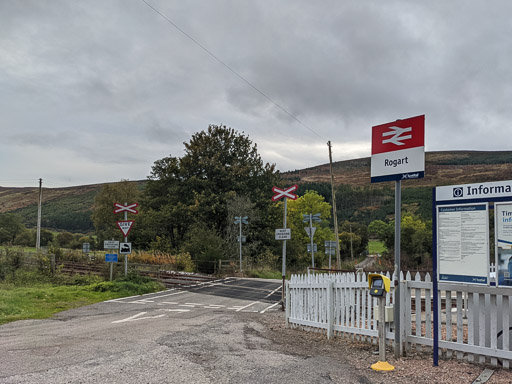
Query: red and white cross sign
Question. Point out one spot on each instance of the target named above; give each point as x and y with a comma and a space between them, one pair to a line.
287, 192
398, 150
118, 208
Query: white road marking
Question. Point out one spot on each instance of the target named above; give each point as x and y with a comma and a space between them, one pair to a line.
247, 306
136, 318
174, 310
272, 306
271, 293
168, 302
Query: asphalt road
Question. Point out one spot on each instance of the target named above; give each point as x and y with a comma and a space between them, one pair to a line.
209, 333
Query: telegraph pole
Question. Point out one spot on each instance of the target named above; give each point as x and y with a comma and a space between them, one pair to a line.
335, 216
38, 236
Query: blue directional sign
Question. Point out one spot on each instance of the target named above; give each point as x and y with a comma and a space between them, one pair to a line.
111, 258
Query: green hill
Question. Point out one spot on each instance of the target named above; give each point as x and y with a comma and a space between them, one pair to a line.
358, 200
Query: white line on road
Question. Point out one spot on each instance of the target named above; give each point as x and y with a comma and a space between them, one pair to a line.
274, 291
136, 318
247, 306
272, 306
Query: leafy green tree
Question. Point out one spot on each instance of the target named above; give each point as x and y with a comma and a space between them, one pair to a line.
103, 215
218, 164
415, 240
64, 239
353, 239
10, 227
310, 202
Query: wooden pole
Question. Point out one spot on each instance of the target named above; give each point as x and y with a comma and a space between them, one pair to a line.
334, 214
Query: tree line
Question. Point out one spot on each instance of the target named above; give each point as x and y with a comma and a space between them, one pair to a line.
189, 205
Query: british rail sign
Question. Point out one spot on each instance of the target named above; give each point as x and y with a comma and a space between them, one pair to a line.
398, 150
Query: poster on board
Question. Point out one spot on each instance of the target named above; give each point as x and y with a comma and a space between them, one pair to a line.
463, 243
503, 243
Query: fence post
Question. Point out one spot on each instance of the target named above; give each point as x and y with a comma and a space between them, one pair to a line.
330, 308
288, 304
52, 264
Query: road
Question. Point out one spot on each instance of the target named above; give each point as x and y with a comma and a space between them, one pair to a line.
207, 333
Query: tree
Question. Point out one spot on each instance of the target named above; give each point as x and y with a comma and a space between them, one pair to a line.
10, 227
218, 164
103, 216
310, 202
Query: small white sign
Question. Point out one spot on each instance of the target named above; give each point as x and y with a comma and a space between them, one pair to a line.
111, 244
283, 234
125, 248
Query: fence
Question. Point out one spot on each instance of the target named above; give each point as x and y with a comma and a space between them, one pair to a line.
473, 320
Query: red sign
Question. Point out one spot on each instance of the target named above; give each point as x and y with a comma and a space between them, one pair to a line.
128, 208
125, 226
287, 192
398, 135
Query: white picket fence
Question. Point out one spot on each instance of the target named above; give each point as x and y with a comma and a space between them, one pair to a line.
473, 320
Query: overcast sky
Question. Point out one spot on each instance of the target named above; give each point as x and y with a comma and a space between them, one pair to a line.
94, 91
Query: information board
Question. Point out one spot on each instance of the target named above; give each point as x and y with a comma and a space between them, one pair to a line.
503, 244
463, 243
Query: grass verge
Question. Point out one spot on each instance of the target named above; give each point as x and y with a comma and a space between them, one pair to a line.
43, 300
375, 246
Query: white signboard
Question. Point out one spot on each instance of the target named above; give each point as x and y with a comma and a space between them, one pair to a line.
503, 243
283, 234
310, 231
111, 244
398, 150
463, 243
494, 190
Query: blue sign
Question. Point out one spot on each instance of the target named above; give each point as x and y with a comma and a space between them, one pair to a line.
111, 258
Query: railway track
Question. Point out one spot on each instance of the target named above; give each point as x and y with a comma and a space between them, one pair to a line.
166, 277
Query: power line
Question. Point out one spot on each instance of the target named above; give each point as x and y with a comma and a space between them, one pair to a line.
231, 69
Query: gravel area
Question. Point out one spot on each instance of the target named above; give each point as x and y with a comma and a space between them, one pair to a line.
415, 368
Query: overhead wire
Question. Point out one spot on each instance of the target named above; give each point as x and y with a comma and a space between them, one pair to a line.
215, 57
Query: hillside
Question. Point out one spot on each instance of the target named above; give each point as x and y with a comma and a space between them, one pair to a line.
441, 168
70, 208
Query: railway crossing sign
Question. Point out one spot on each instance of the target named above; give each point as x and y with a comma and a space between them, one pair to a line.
125, 226
118, 208
287, 192
125, 248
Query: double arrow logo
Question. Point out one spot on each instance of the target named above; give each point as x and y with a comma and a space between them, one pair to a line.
397, 135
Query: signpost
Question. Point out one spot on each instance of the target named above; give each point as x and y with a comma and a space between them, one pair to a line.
111, 258
311, 233
287, 193
125, 226
330, 249
398, 153
241, 220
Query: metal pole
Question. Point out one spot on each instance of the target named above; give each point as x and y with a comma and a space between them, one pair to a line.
396, 302
382, 328
240, 243
125, 240
311, 235
284, 254
111, 268
435, 281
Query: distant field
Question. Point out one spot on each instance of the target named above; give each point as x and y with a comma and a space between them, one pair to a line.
375, 246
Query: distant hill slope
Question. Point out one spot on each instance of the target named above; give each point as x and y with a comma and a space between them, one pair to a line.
441, 168
66, 209
70, 208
